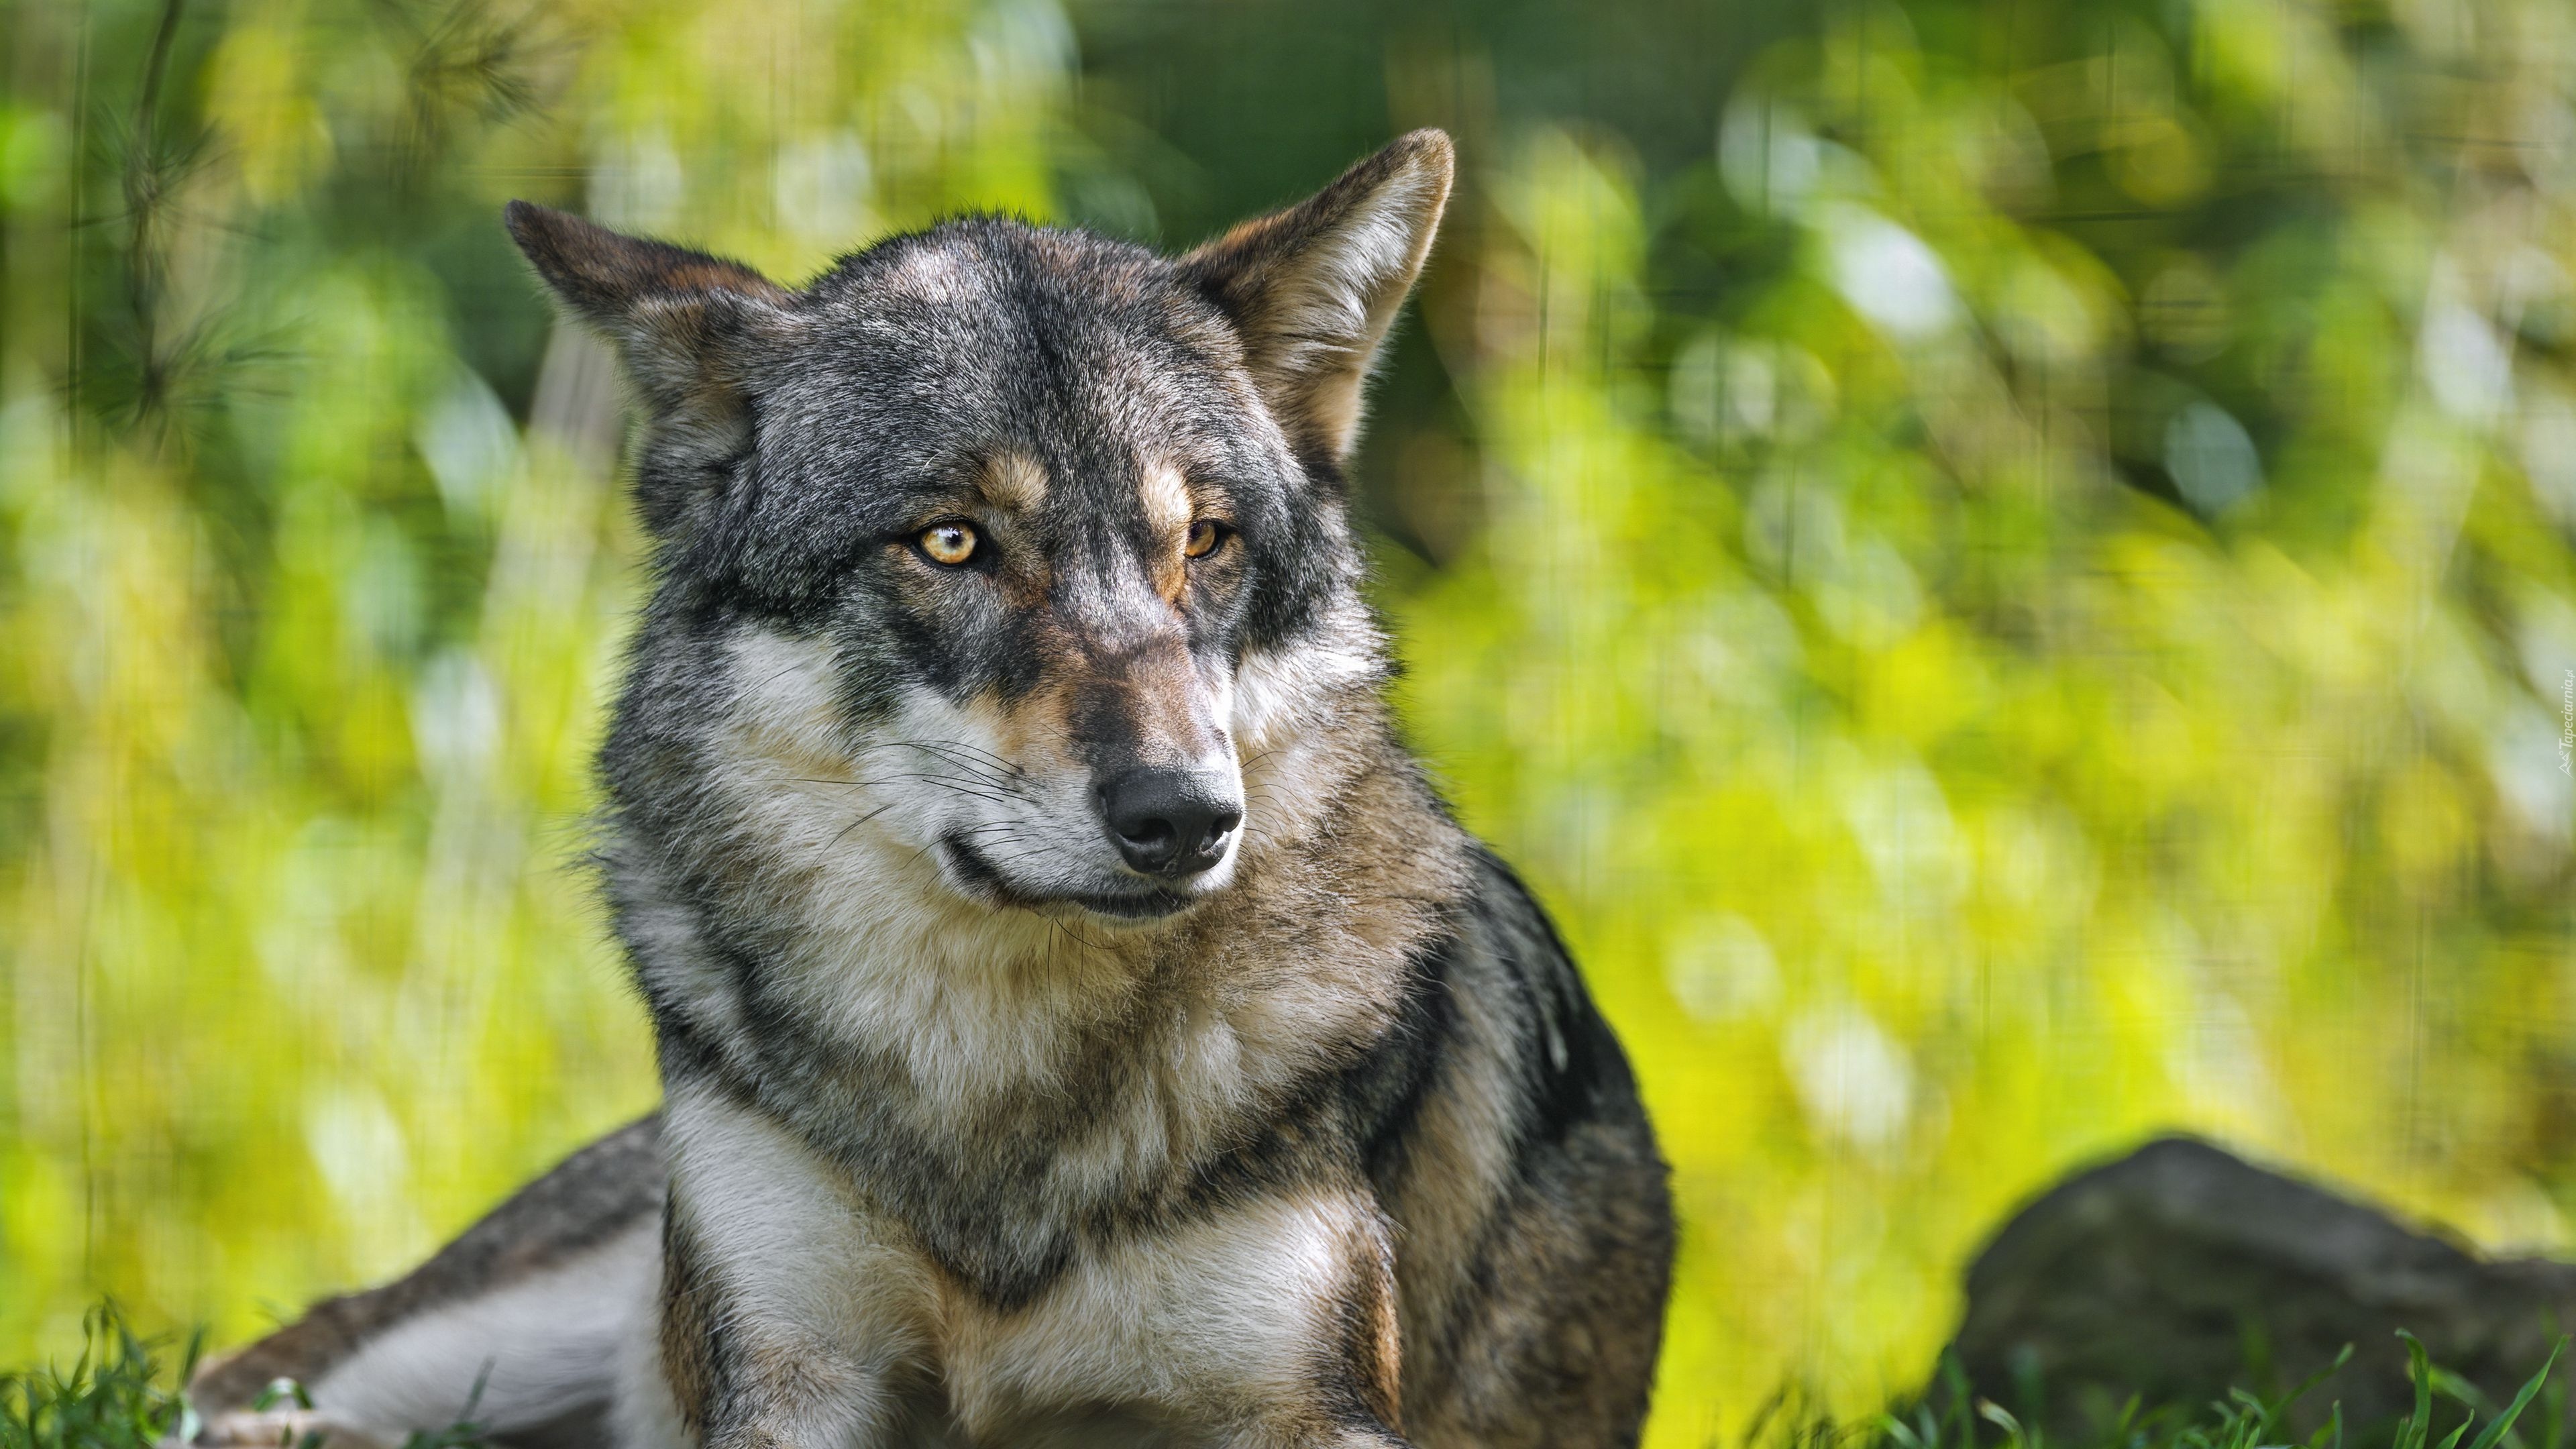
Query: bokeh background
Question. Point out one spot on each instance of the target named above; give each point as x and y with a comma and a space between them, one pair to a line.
2005, 565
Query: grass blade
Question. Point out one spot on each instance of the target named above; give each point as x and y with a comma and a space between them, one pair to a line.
2503, 1422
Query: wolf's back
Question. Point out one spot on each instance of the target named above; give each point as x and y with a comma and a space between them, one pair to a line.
531, 1303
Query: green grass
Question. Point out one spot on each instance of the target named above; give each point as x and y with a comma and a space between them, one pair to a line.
2242, 1420
123, 1392
114, 1396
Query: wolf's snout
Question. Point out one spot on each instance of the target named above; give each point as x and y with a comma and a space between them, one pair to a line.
1171, 822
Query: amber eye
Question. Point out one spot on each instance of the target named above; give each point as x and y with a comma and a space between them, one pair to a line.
951, 543
1204, 536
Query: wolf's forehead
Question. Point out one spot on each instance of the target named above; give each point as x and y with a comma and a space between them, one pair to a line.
940, 349
1027, 305
935, 275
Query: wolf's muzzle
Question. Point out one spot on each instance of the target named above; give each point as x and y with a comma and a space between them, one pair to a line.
1171, 823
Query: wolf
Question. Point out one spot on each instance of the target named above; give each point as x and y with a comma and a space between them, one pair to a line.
1080, 1020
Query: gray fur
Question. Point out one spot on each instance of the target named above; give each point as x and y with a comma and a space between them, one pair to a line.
975, 1133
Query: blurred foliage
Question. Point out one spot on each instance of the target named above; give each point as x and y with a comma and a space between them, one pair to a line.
2010, 568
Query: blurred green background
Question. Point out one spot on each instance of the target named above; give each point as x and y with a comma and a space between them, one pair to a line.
2005, 565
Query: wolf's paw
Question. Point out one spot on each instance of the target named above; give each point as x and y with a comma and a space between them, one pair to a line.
285, 1428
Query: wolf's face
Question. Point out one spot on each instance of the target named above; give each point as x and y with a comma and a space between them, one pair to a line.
1002, 552
1023, 489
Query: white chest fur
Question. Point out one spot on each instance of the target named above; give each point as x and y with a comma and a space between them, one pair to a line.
845, 1322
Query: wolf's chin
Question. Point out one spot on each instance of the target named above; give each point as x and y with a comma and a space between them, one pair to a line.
983, 879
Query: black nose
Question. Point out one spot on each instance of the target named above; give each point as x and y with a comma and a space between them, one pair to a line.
1171, 822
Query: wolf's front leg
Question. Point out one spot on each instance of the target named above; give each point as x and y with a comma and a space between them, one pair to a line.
791, 1316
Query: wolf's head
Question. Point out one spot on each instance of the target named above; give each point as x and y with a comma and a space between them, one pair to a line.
1001, 565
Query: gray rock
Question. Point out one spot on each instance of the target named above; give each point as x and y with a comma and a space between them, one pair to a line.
2180, 1271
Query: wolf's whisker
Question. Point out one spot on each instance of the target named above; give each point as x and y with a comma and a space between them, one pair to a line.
979, 789
958, 748
971, 832
1078, 939
862, 820
958, 753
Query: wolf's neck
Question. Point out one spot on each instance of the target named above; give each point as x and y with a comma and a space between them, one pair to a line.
957, 1010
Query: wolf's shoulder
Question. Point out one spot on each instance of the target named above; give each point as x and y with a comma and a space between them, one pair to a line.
1495, 1009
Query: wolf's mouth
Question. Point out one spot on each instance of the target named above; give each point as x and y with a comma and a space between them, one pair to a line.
1146, 903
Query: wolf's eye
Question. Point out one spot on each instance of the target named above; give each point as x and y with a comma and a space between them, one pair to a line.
1204, 536
951, 543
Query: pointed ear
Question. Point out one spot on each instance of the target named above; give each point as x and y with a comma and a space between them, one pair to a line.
1314, 288
690, 328
678, 317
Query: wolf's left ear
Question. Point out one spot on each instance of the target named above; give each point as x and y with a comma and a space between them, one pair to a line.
690, 328
1314, 288
679, 318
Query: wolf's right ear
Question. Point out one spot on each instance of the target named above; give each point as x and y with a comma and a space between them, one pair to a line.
689, 327
1313, 289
